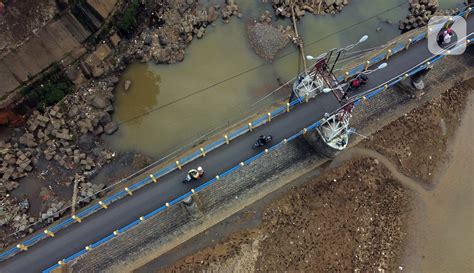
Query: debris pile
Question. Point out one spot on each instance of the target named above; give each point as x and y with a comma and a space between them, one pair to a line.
88, 192
421, 12
318, 7
179, 23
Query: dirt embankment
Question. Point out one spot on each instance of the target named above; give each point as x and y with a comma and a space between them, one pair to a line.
417, 142
353, 217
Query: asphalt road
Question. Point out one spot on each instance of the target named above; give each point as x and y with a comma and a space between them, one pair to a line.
77, 236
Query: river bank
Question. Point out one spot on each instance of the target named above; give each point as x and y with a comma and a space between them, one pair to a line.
64, 147
358, 215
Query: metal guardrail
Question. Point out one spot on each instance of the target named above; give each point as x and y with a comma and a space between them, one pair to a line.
153, 178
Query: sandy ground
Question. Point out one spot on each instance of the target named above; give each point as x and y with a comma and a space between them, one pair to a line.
356, 215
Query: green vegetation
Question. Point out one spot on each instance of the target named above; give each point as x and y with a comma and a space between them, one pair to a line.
48, 90
127, 21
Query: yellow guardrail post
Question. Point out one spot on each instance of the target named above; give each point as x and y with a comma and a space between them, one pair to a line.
367, 64
269, 117
102, 204
346, 75
193, 191
408, 43
167, 205
203, 153
468, 11
22, 247
306, 97
49, 233
266, 151
218, 177
116, 232
405, 76
128, 191
250, 126
178, 165
226, 139
61, 263
449, 22
385, 87
305, 131
153, 178
365, 101
387, 56
285, 140
287, 107
77, 219
142, 218
242, 164
88, 248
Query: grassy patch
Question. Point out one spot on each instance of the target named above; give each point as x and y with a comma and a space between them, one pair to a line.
48, 90
127, 20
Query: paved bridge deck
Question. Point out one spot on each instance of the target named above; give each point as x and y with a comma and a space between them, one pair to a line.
104, 222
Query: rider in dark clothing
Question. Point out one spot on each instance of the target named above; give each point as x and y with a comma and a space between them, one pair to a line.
262, 140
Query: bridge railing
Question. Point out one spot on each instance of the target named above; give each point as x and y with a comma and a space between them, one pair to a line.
153, 178
405, 41
369, 94
181, 198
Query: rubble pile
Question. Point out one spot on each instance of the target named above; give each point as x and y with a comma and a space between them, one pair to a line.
10, 212
318, 7
229, 10
55, 210
421, 12
180, 23
15, 164
88, 192
266, 39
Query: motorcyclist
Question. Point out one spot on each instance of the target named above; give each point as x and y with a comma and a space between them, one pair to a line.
196, 173
262, 140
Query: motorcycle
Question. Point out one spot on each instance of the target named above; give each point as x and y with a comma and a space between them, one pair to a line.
361, 80
262, 141
194, 175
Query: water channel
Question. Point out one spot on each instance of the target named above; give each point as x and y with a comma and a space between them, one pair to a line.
169, 106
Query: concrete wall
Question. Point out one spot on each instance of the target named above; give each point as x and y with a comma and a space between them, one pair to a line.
49, 45
55, 41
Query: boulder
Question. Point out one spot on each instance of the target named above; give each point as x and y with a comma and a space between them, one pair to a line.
100, 102
127, 84
73, 111
211, 14
110, 128
86, 141
105, 118
97, 72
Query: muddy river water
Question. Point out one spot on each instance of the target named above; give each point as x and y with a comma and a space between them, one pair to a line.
221, 78
441, 238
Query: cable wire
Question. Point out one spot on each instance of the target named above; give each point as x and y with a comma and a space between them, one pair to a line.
257, 67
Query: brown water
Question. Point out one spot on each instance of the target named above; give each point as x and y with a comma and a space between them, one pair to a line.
442, 237
169, 106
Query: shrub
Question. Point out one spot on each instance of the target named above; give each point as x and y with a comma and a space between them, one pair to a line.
48, 90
